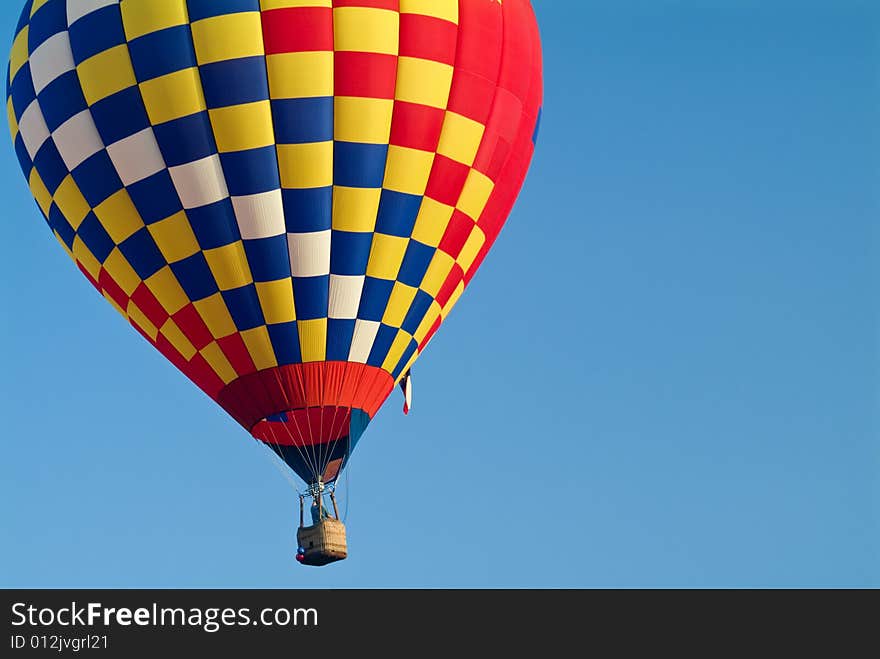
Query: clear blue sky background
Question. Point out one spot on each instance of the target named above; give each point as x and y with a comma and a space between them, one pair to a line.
666, 374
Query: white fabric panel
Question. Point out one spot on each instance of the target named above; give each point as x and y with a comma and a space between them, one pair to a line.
77, 139
50, 60
260, 215
137, 156
33, 129
362, 342
76, 9
309, 253
199, 183
345, 295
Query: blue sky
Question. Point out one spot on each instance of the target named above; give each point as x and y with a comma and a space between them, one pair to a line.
666, 373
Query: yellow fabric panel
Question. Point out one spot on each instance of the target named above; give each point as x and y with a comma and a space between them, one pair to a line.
214, 312
118, 216
431, 222
85, 258
300, 75
425, 326
241, 127
306, 165
366, 30
445, 9
218, 361
437, 273
71, 202
407, 170
140, 17
476, 192
168, 291
173, 96
460, 138
471, 248
174, 237
355, 209
386, 255
364, 120
140, 319
10, 116
119, 269
178, 339
229, 265
39, 191
399, 303
106, 73
259, 346
313, 339
228, 36
426, 81
19, 54
276, 299
395, 352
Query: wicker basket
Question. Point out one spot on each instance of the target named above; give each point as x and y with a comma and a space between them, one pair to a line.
323, 543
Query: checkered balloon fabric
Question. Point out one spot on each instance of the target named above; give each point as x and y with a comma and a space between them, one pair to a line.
285, 197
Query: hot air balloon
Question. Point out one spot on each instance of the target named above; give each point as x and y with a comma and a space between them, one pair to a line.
285, 197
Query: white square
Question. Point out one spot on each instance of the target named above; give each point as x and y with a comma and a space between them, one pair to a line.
309, 253
137, 156
77, 139
76, 9
33, 129
200, 183
345, 295
362, 341
260, 215
51, 59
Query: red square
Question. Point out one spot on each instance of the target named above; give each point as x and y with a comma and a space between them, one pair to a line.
427, 37
457, 232
368, 75
145, 300
446, 180
193, 327
416, 126
297, 29
236, 352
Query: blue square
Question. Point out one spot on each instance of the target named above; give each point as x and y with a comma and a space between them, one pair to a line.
268, 258
339, 335
374, 298
97, 178
22, 90
159, 53
235, 81
186, 139
397, 213
357, 165
417, 311
50, 19
25, 16
251, 172
349, 252
199, 9
195, 277
308, 210
120, 115
384, 338
142, 254
244, 307
415, 263
96, 32
155, 197
59, 223
404, 360
310, 294
24, 158
95, 237
50, 166
303, 120
214, 225
61, 99
285, 342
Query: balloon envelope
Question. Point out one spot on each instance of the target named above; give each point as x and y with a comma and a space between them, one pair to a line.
285, 198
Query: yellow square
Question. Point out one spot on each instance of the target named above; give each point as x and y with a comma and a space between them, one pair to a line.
460, 139
259, 346
140, 17
242, 127
276, 299
106, 73
10, 116
364, 120
139, 319
366, 30
354, 209
300, 75
313, 339
118, 216
168, 291
85, 258
395, 352
214, 312
173, 96
476, 192
71, 202
121, 271
19, 54
218, 361
431, 223
399, 303
438, 271
446, 10
471, 248
427, 322
178, 339
306, 165
386, 256
39, 191
407, 170
174, 237
228, 36
229, 265
423, 81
